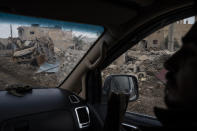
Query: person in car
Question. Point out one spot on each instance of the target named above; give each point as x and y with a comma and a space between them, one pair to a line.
181, 87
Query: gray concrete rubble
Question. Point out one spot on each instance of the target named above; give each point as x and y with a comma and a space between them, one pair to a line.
143, 64
35, 52
24, 52
68, 60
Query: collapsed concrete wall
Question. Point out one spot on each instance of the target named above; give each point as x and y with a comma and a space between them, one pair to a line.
62, 39
34, 52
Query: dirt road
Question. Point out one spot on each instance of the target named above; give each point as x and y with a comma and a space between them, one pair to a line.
13, 73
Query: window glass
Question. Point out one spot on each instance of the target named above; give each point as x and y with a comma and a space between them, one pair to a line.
145, 61
41, 52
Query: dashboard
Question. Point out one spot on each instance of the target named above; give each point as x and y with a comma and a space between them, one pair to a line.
45, 109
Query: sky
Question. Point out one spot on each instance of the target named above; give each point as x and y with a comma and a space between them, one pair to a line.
19, 20
5, 29
190, 20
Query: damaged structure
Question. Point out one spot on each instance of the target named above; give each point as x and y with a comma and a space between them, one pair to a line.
160, 39
35, 44
35, 52
62, 39
42, 56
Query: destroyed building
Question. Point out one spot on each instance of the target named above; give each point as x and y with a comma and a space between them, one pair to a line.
34, 52
62, 39
145, 60
159, 39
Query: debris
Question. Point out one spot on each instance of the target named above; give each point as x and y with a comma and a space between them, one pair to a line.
6, 53
35, 52
141, 76
27, 43
114, 67
146, 64
50, 68
56, 50
41, 59
143, 57
24, 52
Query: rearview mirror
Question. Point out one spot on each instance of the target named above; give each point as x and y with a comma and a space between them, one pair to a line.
126, 84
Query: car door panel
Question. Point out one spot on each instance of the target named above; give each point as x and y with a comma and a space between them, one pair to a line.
135, 121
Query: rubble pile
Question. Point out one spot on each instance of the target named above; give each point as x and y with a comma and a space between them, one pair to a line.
68, 59
34, 52
142, 64
36, 62
145, 65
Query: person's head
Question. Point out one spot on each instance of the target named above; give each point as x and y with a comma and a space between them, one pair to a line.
181, 88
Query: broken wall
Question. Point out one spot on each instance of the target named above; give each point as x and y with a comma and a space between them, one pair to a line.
61, 39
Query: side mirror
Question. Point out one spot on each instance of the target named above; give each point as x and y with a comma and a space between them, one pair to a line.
126, 84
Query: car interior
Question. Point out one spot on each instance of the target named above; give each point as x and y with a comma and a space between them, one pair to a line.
78, 102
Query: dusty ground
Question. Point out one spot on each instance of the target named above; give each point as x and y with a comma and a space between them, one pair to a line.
12, 73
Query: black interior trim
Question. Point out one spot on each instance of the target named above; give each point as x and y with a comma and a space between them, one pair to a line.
42, 109
140, 120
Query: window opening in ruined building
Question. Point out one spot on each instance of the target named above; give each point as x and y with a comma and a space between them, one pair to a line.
20, 32
31, 32
41, 52
144, 43
147, 65
155, 42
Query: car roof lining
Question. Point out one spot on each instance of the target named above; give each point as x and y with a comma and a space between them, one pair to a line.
104, 13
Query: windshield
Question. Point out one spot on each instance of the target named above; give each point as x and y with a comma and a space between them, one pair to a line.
41, 52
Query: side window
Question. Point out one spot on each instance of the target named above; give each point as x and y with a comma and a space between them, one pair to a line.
145, 61
31, 32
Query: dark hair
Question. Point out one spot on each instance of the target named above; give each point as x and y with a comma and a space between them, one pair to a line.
191, 36
195, 6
